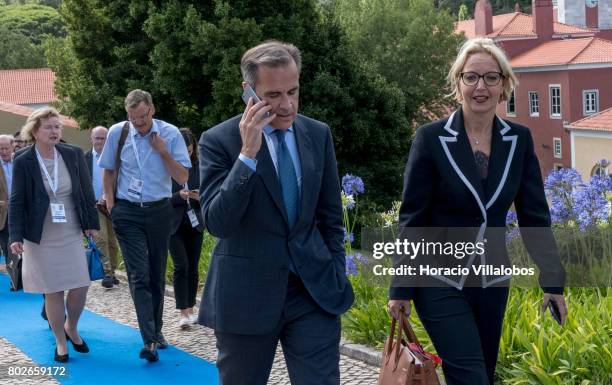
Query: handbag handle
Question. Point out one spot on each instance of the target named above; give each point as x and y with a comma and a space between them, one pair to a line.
406, 328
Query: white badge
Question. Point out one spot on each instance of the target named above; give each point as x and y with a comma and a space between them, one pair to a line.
58, 213
193, 218
135, 189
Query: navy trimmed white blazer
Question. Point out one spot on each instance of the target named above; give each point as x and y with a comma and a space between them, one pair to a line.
442, 188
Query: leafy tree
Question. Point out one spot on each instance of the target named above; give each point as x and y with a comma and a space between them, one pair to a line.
188, 54
17, 51
410, 43
33, 21
464, 13
499, 6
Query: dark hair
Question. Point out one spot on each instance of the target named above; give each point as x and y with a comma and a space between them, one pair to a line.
189, 139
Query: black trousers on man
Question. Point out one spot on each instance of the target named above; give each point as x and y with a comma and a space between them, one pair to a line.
465, 328
310, 338
143, 234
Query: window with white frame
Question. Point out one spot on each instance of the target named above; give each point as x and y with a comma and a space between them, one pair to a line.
511, 105
555, 100
557, 147
590, 102
534, 103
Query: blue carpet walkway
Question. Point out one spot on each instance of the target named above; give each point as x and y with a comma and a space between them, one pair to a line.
113, 359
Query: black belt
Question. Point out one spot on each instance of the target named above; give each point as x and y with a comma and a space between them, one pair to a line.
145, 204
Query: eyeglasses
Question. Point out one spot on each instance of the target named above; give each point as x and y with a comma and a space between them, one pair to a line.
135, 120
490, 78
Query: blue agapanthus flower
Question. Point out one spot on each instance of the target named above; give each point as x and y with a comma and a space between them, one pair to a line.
353, 261
590, 204
561, 185
512, 226
348, 236
352, 185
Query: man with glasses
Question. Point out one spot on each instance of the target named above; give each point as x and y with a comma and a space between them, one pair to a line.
137, 192
18, 142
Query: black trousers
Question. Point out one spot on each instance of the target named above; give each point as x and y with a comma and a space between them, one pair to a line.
185, 247
143, 235
4, 237
465, 328
310, 338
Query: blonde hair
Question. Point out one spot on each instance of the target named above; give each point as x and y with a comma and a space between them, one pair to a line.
34, 121
481, 45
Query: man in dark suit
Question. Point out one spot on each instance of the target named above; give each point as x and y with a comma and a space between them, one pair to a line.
106, 238
6, 177
270, 193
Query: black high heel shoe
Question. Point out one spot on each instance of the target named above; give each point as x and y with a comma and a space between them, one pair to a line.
60, 357
82, 348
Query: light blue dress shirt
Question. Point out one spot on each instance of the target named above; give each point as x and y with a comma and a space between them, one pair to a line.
8, 173
157, 182
271, 142
96, 178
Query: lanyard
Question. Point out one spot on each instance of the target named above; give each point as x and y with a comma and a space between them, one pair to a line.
136, 155
52, 183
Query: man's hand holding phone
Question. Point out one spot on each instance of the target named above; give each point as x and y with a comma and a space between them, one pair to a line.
251, 126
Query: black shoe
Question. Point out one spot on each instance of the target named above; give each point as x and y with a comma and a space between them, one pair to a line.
82, 348
115, 280
161, 342
60, 357
149, 352
107, 282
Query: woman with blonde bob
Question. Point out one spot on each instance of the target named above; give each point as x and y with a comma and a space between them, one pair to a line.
465, 171
52, 205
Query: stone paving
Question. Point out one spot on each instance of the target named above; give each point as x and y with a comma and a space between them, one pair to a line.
117, 305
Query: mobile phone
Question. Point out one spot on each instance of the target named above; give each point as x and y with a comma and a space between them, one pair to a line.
554, 311
249, 92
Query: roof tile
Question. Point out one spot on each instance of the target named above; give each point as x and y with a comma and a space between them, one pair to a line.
27, 86
27, 111
564, 52
601, 121
516, 24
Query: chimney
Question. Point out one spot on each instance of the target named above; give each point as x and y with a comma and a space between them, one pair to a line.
517, 7
542, 16
483, 18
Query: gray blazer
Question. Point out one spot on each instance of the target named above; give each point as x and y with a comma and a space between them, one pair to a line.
247, 278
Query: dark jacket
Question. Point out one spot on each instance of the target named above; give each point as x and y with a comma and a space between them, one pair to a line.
89, 162
443, 190
180, 205
247, 279
30, 201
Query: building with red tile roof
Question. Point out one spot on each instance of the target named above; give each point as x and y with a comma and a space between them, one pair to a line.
591, 140
31, 87
22, 91
563, 63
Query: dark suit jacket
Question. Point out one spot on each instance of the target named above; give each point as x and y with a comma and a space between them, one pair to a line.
180, 205
3, 197
247, 279
89, 162
442, 189
30, 201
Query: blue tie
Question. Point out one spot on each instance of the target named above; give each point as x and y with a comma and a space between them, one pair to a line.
287, 177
